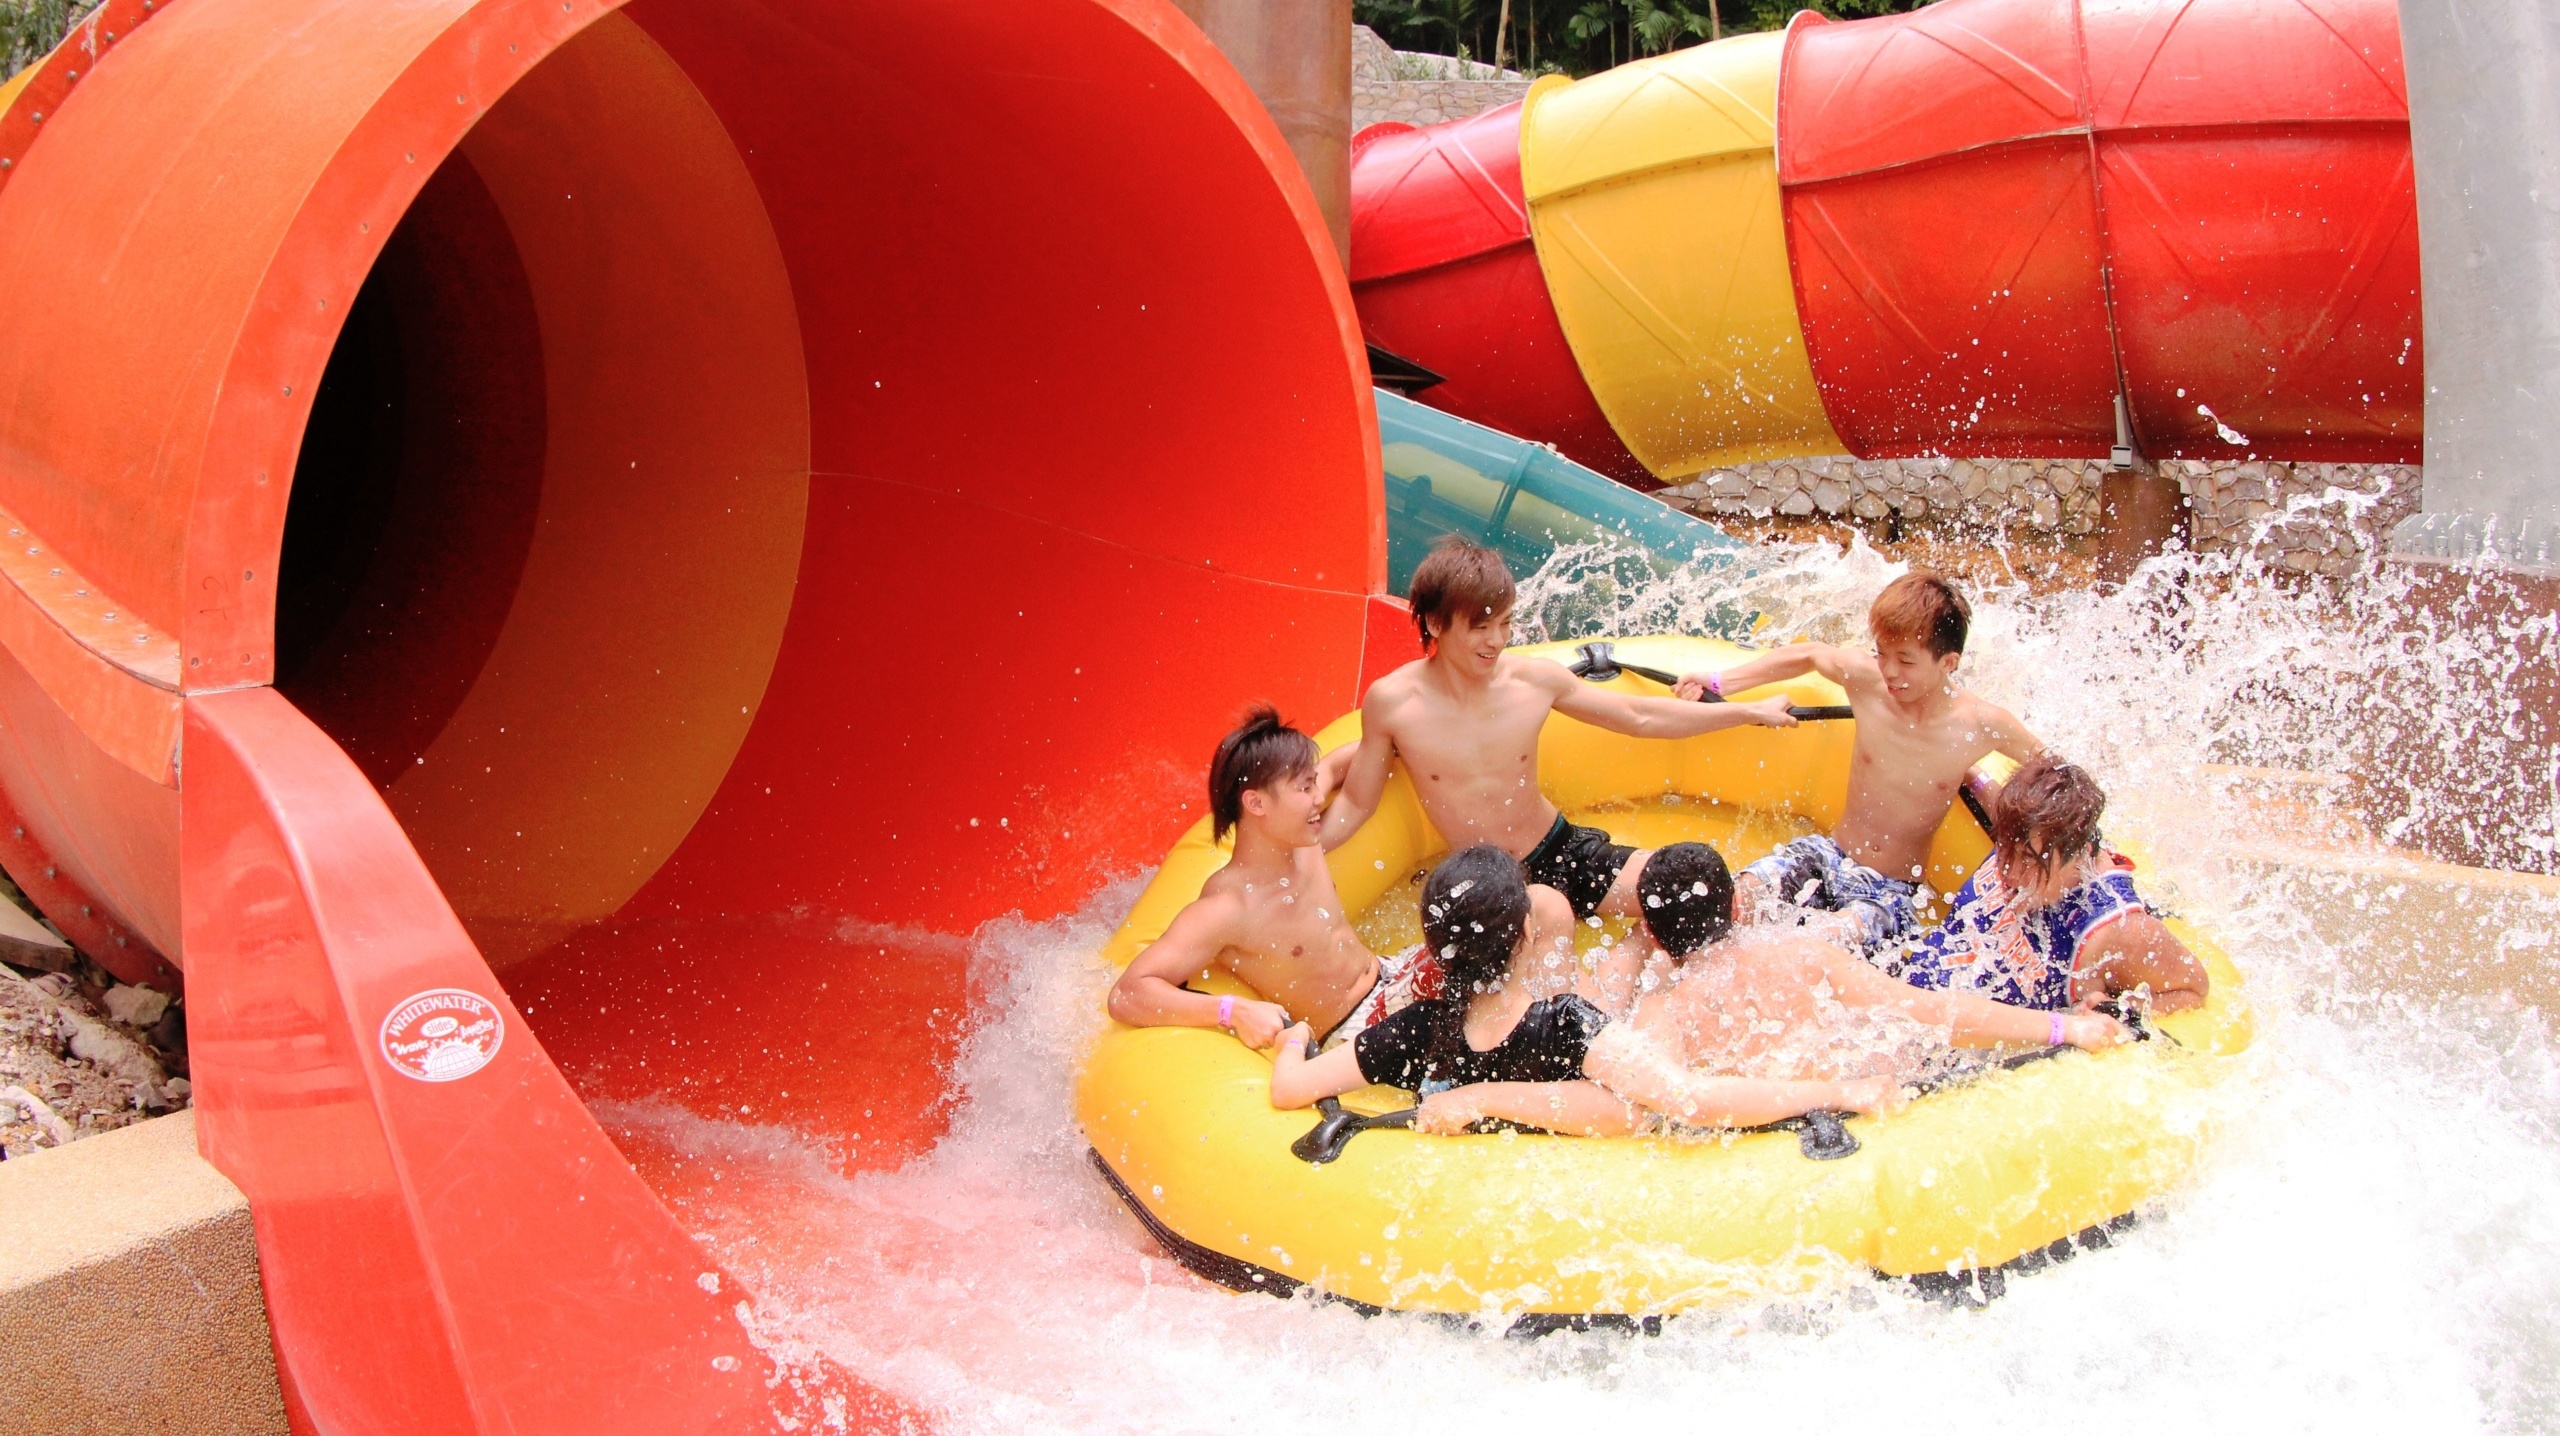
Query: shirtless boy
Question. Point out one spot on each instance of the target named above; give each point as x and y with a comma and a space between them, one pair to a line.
1764, 1023
1917, 734
1270, 917
1465, 719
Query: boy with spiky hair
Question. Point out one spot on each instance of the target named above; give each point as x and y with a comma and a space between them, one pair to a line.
1465, 717
1917, 735
1270, 917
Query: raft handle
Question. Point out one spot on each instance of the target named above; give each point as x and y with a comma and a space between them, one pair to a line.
1599, 664
1336, 1127
1823, 1136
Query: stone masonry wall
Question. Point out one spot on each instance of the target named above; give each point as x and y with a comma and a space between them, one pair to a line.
2325, 518
1390, 84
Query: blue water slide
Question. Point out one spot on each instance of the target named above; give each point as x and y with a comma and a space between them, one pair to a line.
1447, 476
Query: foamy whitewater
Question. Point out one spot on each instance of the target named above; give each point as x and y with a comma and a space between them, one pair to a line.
2371, 1245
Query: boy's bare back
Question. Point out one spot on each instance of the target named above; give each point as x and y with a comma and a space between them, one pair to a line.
1748, 1006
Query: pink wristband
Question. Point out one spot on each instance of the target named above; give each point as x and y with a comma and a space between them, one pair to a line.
2053, 1030
1715, 684
1227, 1015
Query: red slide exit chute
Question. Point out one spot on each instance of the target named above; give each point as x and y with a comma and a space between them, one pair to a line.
721, 512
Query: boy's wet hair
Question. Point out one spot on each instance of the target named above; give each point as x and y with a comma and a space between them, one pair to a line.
1260, 752
1459, 577
1686, 892
2048, 801
1475, 906
1922, 607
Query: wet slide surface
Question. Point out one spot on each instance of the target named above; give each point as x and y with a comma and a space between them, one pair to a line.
570, 550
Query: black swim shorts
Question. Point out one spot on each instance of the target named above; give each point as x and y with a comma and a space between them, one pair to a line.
1581, 863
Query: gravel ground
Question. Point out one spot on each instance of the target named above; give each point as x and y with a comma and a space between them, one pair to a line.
68, 1069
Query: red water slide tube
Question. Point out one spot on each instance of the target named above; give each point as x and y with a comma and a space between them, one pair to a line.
1442, 264
548, 536
2001, 215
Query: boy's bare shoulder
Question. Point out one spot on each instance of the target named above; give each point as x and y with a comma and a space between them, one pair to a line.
1780, 950
1981, 713
1395, 686
1221, 897
1310, 863
1859, 676
1391, 697
1544, 674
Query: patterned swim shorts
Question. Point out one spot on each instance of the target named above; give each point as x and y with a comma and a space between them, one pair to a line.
1814, 873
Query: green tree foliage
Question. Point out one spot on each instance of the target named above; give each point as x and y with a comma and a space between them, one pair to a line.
1578, 37
29, 29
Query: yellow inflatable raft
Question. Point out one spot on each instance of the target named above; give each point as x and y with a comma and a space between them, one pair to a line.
1963, 1183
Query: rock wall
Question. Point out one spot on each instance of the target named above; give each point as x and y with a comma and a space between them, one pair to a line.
1391, 84
2325, 518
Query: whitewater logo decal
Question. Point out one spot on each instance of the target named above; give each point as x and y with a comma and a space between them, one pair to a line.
442, 1034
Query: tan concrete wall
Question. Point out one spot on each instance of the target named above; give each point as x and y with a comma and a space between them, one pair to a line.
129, 1296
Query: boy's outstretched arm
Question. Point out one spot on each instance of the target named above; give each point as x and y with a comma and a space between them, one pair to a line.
1575, 1109
1297, 1079
2138, 950
1972, 1021
1363, 781
1634, 1067
1775, 666
2010, 737
1150, 991
1651, 717
1332, 769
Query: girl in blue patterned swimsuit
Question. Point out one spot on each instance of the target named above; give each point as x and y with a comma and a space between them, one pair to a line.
2051, 920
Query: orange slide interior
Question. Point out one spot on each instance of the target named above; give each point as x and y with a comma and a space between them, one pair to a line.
661, 517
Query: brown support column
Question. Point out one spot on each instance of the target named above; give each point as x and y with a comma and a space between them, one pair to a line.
1296, 54
2139, 511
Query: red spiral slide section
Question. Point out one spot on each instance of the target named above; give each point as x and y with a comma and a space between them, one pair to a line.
652, 519
2000, 216
1444, 272
2001, 211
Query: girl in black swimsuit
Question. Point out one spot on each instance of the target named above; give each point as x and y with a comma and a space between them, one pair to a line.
1511, 1033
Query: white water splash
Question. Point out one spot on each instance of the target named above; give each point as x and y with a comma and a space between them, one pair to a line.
2225, 432
2376, 1243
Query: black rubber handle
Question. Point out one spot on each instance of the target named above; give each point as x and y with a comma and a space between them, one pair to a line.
1336, 1126
1825, 1136
1599, 663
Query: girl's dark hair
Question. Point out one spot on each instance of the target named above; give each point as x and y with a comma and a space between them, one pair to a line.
1475, 907
2050, 799
1260, 752
1687, 893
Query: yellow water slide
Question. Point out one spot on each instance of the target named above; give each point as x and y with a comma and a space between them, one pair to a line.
1653, 193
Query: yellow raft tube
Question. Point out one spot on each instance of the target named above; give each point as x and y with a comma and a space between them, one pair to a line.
1964, 1182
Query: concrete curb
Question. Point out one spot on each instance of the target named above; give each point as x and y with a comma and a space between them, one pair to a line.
129, 1292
